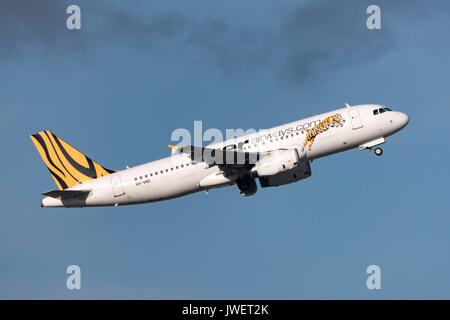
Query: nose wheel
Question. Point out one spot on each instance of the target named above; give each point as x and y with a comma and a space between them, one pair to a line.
377, 151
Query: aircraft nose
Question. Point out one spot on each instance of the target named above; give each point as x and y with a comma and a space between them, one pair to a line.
403, 119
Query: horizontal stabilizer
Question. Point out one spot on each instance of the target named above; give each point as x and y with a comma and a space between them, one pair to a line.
65, 194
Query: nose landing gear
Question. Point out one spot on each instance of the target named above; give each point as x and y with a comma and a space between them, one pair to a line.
369, 146
378, 151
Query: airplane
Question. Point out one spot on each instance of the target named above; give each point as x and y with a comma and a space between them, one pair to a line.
276, 156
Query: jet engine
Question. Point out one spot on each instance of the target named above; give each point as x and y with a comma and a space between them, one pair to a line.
302, 171
275, 162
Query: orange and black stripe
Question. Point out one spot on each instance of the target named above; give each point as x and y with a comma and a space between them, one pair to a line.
332, 121
67, 165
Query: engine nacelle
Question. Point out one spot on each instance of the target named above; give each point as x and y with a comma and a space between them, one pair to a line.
302, 171
277, 162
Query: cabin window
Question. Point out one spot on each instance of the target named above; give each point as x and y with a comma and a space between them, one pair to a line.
182, 166
146, 176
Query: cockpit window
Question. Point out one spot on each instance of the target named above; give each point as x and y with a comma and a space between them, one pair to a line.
380, 110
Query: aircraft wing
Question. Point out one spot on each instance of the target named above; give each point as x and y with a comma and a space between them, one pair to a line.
222, 158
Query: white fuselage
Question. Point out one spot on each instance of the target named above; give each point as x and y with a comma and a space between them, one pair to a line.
178, 175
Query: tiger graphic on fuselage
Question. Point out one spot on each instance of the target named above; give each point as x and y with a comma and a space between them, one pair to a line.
332, 121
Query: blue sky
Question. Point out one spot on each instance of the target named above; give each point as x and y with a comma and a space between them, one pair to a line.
138, 70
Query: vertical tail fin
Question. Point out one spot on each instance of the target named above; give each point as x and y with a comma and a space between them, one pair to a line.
67, 165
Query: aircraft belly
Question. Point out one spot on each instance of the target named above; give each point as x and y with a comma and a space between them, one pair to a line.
178, 185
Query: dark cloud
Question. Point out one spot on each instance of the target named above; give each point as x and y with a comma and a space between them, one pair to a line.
39, 27
27, 23
325, 34
231, 48
33, 27
313, 37
328, 34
